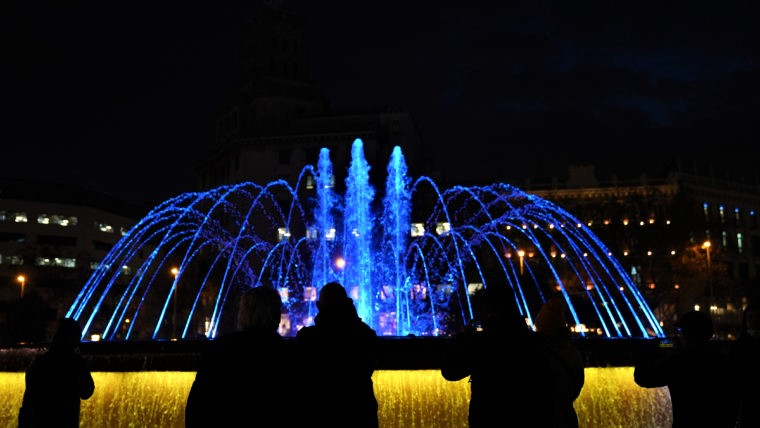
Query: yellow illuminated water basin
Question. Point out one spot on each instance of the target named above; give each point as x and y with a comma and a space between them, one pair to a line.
407, 399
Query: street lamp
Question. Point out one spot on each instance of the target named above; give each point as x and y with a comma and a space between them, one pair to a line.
175, 272
21, 280
706, 245
521, 253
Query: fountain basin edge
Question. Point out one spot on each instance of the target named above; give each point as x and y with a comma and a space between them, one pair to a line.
395, 353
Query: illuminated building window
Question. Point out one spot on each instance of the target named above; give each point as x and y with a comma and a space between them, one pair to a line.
739, 243
330, 234
11, 260
309, 294
474, 287
706, 210
67, 262
124, 231
311, 233
3, 215
282, 234
442, 228
635, 275
104, 227
59, 220
19, 217
724, 239
94, 265
310, 182
722, 213
418, 229
126, 270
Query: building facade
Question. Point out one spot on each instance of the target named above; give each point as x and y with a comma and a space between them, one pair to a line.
688, 241
275, 119
52, 238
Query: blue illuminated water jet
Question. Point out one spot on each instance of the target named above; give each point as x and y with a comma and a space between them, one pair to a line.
415, 262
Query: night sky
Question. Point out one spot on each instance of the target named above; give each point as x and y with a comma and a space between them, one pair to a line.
121, 97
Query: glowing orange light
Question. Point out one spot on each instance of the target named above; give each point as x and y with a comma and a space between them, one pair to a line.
340, 263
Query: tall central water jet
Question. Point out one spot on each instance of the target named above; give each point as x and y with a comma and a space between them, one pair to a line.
415, 261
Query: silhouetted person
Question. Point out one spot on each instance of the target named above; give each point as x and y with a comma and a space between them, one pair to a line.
242, 379
341, 353
511, 380
698, 376
565, 360
57, 381
745, 355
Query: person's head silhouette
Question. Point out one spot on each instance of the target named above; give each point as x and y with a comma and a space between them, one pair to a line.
68, 334
551, 317
260, 307
334, 303
332, 296
695, 327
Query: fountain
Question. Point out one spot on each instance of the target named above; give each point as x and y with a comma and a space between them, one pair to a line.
415, 261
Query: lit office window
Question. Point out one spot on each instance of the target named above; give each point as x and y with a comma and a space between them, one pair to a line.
722, 212
58, 220
13, 260
3, 215
442, 228
282, 234
418, 229
330, 234
67, 262
19, 217
104, 227
739, 242
706, 210
724, 239
309, 182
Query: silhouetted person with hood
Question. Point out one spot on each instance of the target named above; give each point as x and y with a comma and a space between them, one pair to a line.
341, 350
698, 376
511, 380
57, 381
745, 356
243, 376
